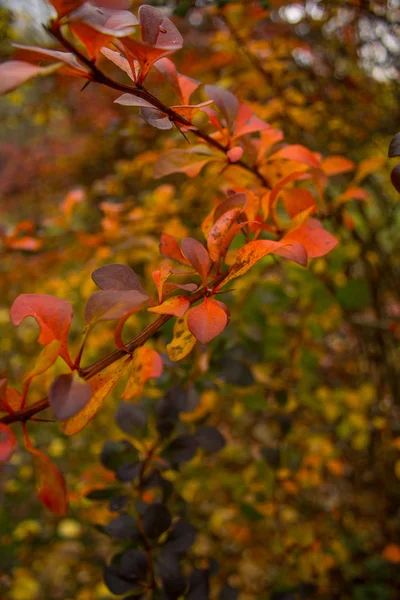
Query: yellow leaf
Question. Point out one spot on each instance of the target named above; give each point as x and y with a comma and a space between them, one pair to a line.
45, 359
101, 385
182, 342
146, 363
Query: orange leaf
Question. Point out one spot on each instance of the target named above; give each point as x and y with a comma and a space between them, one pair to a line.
334, 165
222, 233
254, 251
176, 306
182, 342
207, 320
297, 153
53, 315
160, 276
315, 239
101, 385
49, 482
93, 40
197, 256
189, 110
296, 200
10, 399
146, 363
183, 86
247, 122
8, 441
169, 248
391, 553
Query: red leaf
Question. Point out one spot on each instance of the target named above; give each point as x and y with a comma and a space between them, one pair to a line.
49, 482
176, 306
117, 277
315, 239
64, 7
183, 86
169, 248
197, 256
68, 395
144, 54
53, 315
37, 53
235, 154
15, 72
247, 122
297, 153
334, 165
10, 399
207, 320
122, 63
109, 305
8, 441
93, 40
227, 102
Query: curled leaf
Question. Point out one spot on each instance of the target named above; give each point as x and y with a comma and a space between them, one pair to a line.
53, 315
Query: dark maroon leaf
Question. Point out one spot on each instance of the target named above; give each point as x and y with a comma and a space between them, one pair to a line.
121, 527
182, 449
110, 305
199, 585
115, 454
395, 177
181, 538
130, 418
134, 563
228, 593
118, 503
128, 471
394, 147
116, 582
174, 586
68, 395
117, 277
156, 520
209, 438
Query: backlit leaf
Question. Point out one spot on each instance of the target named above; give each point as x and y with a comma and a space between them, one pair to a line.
183, 86
247, 122
45, 359
8, 441
63, 7
206, 320
157, 30
68, 395
146, 363
297, 153
50, 483
296, 200
37, 53
197, 256
254, 251
189, 162
53, 315
315, 239
16, 72
334, 165
176, 306
183, 341
101, 386
227, 102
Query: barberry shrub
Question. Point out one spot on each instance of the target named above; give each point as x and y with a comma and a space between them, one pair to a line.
272, 202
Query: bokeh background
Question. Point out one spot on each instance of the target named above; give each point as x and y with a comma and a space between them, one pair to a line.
303, 502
